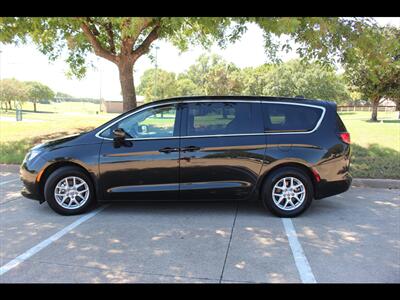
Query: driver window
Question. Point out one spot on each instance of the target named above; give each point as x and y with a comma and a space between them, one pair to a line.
149, 123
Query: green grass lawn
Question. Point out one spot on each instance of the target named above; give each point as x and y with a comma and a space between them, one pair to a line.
375, 146
51, 121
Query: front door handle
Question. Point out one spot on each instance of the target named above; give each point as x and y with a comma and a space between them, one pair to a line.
169, 150
190, 149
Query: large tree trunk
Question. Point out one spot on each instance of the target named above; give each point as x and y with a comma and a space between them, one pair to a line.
127, 85
34, 105
375, 103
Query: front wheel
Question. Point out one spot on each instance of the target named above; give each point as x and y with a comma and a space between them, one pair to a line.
69, 191
287, 192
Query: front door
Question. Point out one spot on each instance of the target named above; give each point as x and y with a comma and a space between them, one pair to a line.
145, 166
222, 150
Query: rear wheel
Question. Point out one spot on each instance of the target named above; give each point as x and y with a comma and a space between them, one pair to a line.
69, 191
287, 192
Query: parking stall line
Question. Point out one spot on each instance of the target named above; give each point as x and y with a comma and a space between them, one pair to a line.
300, 258
8, 181
35, 249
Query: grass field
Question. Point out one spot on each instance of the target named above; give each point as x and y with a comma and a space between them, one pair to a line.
375, 146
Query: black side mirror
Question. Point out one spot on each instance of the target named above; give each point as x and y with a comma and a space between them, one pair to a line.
119, 134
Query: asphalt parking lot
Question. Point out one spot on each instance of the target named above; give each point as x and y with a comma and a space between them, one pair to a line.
353, 237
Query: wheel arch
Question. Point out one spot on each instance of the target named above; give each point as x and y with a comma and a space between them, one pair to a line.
306, 169
59, 164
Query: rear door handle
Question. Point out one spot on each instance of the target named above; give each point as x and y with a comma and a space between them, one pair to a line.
190, 149
169, 150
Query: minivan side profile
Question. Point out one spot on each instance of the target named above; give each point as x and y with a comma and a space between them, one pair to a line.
284, 152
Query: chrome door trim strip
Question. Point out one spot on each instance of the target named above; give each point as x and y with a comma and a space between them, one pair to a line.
217, 135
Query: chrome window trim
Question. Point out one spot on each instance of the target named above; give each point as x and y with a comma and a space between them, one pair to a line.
217, 135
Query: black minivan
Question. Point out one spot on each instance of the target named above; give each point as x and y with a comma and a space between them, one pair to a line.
284, 152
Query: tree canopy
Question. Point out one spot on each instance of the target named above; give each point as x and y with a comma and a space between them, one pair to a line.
12, 91
38, 91
295, 78
211, 75
374, 72
157, 84
123, 40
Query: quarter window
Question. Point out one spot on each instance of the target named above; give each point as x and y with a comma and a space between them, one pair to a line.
221, 118
286, 117
150, 123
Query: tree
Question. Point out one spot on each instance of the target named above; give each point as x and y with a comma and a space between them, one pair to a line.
186, 87
62, 95
120, 40
157, 84
255, 79
295, 78
12, 91
212, 75
124, 40
38, 91
375, 71
223, 79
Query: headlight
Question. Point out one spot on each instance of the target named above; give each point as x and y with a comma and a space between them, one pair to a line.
32, 154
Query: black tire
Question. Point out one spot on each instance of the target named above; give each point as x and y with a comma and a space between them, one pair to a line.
55, 178
277, 175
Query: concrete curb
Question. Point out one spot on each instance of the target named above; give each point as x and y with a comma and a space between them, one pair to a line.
357, 182
9, 168
376, 183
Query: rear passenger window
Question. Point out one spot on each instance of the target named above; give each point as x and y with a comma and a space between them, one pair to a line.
340, 124
206, 118
286, 117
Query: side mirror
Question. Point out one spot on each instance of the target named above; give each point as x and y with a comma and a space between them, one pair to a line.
119, 134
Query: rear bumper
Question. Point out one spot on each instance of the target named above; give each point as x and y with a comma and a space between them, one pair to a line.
326, 189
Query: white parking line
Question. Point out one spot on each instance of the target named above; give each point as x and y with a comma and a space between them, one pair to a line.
35, 249
300, 258
8, 181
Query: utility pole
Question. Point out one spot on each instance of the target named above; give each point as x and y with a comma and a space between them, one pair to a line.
155, 76
1, 84
0, 63
100, 82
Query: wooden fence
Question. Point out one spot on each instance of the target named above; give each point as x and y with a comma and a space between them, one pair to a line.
365, 108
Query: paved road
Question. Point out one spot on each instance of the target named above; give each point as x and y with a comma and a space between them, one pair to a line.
353, 237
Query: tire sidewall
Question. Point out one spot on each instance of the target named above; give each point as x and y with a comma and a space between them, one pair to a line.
55, 178
270, 182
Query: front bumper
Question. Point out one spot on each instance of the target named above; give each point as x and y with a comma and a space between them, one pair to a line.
28, 174
30, 195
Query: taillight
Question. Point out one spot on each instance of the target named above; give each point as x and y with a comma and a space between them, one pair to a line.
345, 137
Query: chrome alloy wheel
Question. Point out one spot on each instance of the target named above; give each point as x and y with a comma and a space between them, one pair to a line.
288, 193
71, 192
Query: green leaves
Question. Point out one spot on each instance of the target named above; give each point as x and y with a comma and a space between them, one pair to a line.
12, 90
39, 91
367, 52
211, 75
373, 68
157, 84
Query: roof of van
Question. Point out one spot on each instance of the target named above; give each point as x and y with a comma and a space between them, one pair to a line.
250, 98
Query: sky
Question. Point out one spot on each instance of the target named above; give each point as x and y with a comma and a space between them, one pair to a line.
25, 63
